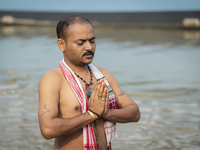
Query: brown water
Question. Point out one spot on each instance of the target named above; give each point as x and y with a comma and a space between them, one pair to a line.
159, 69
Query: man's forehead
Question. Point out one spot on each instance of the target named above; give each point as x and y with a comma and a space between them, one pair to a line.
77, 26
80, 29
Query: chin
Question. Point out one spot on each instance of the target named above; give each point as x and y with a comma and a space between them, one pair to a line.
88, 61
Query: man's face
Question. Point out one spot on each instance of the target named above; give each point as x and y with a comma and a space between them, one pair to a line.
80, 44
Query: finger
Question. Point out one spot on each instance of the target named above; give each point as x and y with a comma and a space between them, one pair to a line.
95, 90
102, 86
106, 102
98, 89
107, 99
104, 95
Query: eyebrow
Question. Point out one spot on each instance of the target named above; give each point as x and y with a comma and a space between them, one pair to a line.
86, 39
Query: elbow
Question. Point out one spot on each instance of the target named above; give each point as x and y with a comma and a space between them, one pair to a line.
47, 137
47, 133
137, 116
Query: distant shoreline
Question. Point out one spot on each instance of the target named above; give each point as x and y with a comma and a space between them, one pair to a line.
153, 18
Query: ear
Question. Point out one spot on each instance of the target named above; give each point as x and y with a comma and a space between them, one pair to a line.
61, 44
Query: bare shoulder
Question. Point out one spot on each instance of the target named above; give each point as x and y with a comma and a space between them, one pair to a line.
51, 78
52, 75
104, 71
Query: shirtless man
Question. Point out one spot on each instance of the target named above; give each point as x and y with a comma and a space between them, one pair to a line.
59, 110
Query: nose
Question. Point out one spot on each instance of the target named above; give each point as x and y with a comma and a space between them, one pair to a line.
88, 45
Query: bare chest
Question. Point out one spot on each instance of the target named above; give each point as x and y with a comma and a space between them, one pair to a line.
69, 105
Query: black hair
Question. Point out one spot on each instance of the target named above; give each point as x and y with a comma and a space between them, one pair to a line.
63, 25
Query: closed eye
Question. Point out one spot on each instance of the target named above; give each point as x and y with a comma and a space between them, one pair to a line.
92, 40
80, 43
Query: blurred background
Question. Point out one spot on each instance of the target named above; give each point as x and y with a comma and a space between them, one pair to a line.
151, 47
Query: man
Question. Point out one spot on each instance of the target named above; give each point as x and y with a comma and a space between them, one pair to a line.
78, 101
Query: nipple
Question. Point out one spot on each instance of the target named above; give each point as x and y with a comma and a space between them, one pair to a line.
76, 108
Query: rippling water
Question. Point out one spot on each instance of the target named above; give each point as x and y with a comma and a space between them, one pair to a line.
159, 69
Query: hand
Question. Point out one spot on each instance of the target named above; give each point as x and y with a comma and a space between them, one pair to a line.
95, 102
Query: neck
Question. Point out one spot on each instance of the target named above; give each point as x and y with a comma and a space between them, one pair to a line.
79, 69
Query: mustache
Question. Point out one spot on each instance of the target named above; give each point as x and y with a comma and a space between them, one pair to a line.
88, 52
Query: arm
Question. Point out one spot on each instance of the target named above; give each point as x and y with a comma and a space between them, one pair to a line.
50, 125
127, 111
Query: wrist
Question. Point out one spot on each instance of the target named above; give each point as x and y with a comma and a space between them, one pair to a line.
106, 114
93, 114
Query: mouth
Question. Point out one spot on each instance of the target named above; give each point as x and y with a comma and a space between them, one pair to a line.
88, 54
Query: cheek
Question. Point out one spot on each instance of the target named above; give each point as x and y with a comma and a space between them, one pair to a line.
94, 47
77, 49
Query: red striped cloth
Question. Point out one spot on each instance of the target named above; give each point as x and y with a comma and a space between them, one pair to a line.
89, 141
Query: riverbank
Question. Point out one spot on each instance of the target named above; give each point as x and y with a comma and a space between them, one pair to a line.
181, 19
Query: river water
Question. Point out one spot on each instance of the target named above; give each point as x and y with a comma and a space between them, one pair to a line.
158, 68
